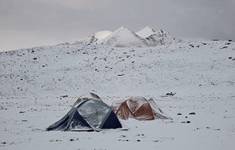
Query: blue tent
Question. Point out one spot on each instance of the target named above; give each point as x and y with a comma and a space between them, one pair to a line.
87, 114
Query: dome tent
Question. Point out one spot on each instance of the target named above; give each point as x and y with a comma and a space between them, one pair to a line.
139, 108
87, 114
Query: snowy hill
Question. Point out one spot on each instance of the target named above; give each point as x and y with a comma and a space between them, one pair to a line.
72, 69
39, 85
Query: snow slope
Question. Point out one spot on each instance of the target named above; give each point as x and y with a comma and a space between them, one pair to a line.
39, 85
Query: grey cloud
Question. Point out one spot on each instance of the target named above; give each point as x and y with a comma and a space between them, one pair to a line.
65, 20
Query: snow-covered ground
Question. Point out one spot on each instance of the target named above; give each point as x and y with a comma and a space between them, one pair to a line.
39, 85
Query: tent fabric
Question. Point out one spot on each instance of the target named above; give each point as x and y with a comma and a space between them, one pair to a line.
87, 114
139, 108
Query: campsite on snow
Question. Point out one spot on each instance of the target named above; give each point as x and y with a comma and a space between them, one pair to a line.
148, 90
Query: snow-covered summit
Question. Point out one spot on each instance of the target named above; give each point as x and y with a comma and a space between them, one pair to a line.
123, 37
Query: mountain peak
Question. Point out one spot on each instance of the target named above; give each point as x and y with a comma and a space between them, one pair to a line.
123, 37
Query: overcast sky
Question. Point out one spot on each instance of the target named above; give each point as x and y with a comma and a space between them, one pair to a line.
27, 23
